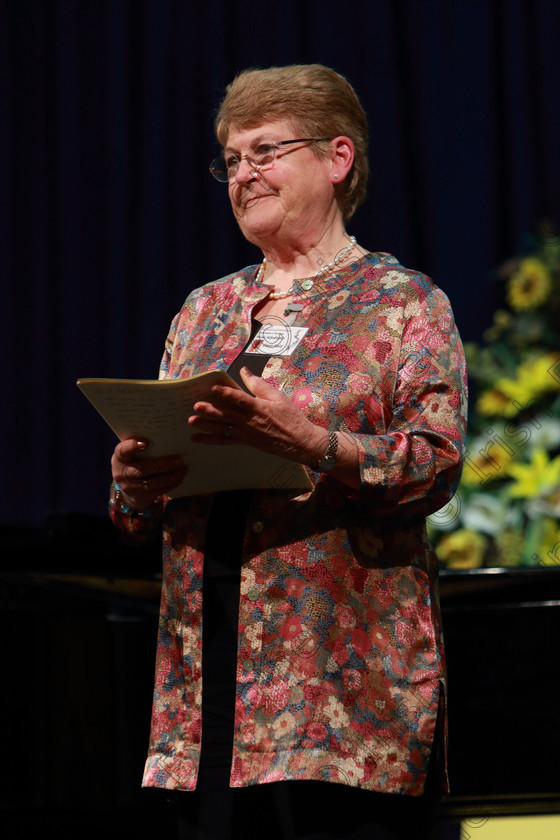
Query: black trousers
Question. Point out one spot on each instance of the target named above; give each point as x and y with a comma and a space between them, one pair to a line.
304, 811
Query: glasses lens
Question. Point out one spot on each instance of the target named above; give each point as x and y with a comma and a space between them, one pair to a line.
263, 155
225, 167
219, 170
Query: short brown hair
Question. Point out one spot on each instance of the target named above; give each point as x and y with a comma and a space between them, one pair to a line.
319, 101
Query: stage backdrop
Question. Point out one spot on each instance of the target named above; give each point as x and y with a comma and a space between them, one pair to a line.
111, 216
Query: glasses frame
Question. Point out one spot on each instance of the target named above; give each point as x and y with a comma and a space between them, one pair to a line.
222, 176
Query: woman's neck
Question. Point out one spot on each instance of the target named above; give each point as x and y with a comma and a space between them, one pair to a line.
283, 266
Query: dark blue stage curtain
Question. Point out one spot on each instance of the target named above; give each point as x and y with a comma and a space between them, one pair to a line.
111, 217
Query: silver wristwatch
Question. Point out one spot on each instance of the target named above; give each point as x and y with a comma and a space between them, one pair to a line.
328, 460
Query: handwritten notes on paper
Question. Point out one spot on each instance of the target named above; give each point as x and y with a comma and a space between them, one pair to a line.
157, 410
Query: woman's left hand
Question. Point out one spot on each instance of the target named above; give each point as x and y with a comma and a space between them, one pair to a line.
268, 421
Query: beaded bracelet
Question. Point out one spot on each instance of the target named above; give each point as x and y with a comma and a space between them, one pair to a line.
125, 508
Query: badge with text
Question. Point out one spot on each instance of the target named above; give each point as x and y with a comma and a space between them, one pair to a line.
276, 340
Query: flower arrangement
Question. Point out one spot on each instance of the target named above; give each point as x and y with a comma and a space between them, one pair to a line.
506, 511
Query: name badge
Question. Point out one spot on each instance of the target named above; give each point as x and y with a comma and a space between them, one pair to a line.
276, 340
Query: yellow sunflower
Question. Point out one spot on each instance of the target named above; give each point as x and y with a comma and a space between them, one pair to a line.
530, 285
537, 478
485, 464
503, 399
463, 549
534, 377
539, 374
493, 403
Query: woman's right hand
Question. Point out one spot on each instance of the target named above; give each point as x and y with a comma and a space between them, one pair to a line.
141, 478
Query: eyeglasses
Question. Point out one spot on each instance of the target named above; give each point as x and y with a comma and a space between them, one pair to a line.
225, 166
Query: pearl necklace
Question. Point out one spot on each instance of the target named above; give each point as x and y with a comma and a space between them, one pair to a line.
306, 284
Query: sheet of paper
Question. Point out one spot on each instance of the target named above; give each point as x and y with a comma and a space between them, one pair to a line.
158, 410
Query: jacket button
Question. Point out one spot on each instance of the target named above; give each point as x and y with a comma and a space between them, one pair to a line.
258, 526
248, 664
253, 594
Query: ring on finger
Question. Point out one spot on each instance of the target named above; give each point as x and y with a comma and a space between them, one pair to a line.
145, 484
227, 432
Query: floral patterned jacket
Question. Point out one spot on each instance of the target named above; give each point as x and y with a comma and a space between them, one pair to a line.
340, 670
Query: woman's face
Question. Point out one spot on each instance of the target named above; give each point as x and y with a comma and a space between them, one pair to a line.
290, 199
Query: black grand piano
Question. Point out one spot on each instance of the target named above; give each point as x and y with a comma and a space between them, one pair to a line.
79, 618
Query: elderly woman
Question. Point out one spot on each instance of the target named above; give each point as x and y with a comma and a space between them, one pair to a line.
300, 667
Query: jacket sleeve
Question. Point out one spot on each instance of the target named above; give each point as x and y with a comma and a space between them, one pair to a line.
166, 360
137, 527
414, 468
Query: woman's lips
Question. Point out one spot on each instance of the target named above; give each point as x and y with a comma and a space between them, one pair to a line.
245, 198
256, 199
